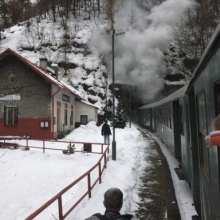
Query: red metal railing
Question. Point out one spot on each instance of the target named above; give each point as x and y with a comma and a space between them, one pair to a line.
67, 142
58, 197
27, 144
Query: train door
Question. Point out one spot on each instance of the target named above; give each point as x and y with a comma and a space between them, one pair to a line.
194, 147
203, 155
186, 143
217, 112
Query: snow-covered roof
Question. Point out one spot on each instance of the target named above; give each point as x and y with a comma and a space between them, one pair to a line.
42, 72
87, 103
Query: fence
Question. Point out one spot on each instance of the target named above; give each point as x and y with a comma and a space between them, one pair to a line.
58, 197
26, 143
100, 165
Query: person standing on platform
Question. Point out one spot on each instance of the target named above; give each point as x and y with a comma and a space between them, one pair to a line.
106, 132
113, 201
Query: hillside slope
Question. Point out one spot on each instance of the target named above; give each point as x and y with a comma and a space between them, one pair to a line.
83, 49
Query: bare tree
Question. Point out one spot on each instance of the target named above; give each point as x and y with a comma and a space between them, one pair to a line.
34, 34
4, 13
132, 18
110, 11
195, 30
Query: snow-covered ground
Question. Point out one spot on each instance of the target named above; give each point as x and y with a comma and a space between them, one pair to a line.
30, 178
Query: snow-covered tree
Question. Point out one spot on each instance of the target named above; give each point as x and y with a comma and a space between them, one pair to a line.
120, 116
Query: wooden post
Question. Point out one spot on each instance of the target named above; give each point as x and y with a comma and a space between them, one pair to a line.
100, 173
89, 185
60, 208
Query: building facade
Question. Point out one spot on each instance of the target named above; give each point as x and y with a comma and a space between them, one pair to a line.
34, 103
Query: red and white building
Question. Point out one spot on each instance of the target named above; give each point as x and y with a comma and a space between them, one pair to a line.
34, 103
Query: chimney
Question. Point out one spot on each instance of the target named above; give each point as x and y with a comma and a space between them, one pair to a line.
55, 68
43, 63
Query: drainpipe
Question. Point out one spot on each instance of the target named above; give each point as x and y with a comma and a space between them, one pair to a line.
53, 110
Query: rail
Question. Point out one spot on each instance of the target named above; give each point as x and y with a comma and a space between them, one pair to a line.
28, 145
90, 185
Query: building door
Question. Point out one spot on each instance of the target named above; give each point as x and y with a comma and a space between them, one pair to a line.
58, 117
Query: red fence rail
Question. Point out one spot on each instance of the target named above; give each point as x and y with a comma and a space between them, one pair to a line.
99, 165
58, 197
6, 141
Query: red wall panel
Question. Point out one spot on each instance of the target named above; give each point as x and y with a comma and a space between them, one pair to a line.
27, 127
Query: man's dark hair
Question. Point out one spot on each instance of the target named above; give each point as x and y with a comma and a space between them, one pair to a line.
113, 198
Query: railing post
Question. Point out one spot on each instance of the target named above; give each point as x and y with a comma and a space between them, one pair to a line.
89, 185
27, 148
100, 173
43, 146
105, 159
102, 149
60, 208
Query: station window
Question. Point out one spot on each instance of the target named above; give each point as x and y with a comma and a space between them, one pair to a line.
10, 115
71, 118
65, 117
84, 119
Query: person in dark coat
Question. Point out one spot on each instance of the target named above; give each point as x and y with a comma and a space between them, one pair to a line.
106, 132
113, 201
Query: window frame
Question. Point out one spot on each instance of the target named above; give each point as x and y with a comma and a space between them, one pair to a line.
65, 116
82, 119
13, 121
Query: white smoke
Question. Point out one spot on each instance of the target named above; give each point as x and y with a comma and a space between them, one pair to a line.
139, 52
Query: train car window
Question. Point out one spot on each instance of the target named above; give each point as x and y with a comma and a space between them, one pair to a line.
166, 117
170, 118
181, 120
163, 116
217, 98
202, 125
159, 115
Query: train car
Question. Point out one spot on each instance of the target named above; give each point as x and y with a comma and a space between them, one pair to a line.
165, 118
183, 120
204, 105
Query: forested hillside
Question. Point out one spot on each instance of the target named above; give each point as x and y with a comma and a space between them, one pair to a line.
161, 44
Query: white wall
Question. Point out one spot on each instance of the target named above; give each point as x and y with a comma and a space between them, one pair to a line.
84, 109
59, 98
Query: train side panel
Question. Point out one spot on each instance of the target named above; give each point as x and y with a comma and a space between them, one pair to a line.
185, 139
207, 109
164, 125
193, 146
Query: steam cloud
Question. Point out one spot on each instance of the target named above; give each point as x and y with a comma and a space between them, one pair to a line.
139, 52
